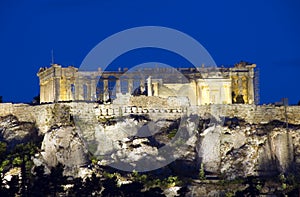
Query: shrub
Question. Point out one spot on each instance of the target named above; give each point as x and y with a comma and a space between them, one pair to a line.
201, 172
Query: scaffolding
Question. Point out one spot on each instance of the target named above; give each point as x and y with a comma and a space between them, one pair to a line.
256, 86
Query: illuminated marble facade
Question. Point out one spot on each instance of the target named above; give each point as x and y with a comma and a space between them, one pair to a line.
203, 85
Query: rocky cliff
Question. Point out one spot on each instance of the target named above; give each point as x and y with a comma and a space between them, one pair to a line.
228, 148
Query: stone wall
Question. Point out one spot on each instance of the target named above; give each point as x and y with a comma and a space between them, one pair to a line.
27, 113
259, 113
41, 114
251, 113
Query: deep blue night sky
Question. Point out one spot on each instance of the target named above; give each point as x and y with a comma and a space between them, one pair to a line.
265, 32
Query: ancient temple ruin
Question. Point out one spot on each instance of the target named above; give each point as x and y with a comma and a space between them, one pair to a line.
201, 85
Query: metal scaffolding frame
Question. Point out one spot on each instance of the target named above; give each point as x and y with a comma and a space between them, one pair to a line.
256, 86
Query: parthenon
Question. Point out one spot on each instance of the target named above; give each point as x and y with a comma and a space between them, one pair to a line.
201, 85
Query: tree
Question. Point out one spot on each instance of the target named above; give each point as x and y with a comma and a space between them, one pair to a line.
299, 102
40, 183
78, 189
48, 185
3, 189
183, 191
3, 147
202, 172
1, 99
154, 192
13, 186
92, 185
132, 189
56, 180
111, 188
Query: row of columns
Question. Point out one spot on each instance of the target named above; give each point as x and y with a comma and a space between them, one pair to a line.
249, 91
217, 93
85, 89
130, 85
204, 91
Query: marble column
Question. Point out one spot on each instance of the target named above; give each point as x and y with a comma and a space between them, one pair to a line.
142, 85
130, 86
194, 92
93, 89
250, 90
47, 92
42, 93
68, 89
105, 84
198, 92
89, 89
79, 89
105, 90
51, 90
56, 89
230, 93
149, 84
240, 85
118, 86
77, 84
155, 89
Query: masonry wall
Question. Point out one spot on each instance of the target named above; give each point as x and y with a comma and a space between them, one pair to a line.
91, 112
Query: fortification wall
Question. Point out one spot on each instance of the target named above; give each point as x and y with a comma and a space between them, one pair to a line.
27, 113
254, 113
91, 112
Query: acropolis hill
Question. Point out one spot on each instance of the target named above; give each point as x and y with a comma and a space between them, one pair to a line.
102, 113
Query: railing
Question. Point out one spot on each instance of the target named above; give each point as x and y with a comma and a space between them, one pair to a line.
120, 111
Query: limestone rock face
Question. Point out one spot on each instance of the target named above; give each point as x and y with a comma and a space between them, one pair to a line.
249, 150
139, 143
209, 149
14, 132
126, 142
63, 145
236, 149
135, 154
